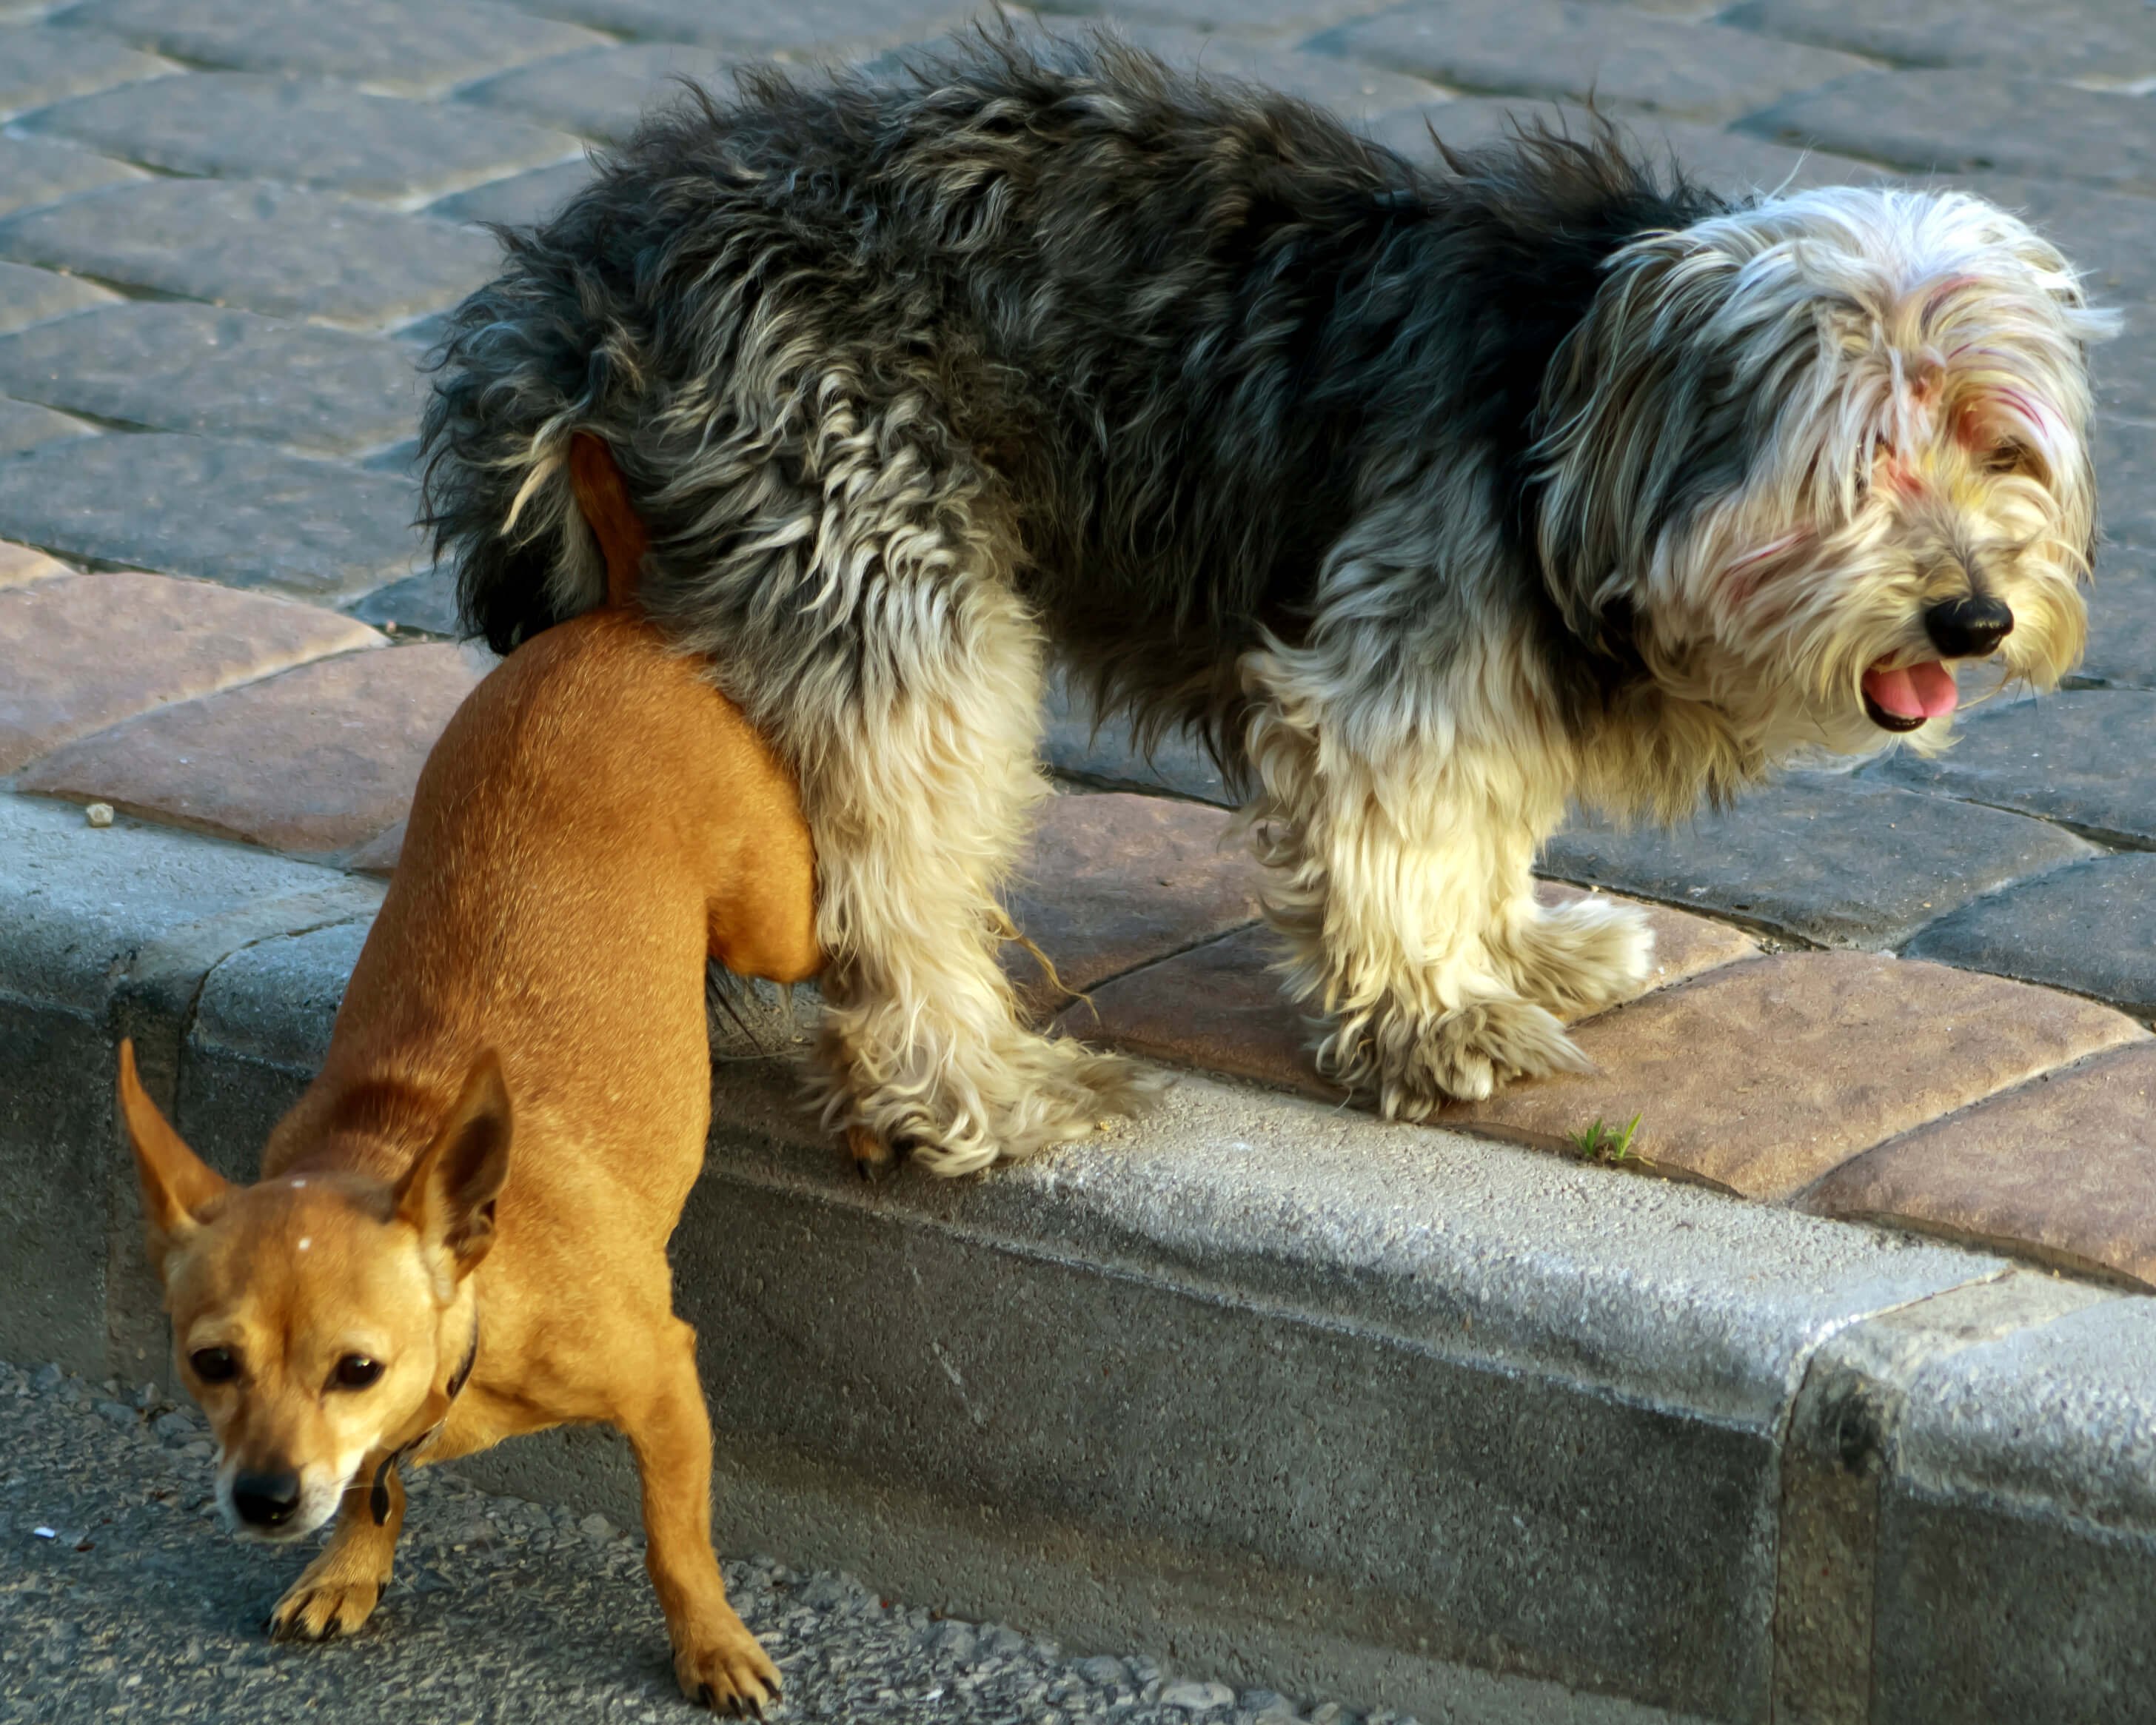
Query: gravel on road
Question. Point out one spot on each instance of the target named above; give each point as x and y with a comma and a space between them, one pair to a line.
122, 1598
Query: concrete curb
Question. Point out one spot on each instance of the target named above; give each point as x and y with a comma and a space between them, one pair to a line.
1277, 1392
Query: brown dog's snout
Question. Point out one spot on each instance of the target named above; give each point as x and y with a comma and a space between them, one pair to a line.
266, 1500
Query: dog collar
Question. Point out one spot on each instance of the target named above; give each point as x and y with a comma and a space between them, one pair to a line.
377, 1500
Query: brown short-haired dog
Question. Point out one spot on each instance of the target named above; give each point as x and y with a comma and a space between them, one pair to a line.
460, 1230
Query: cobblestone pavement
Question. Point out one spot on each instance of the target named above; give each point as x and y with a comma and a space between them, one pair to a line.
226, 227
122, 1598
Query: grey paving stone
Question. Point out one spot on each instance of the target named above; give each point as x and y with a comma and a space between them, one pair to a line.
522, 200
1275, 17
411, 47
279, 249
29, 296
40, 64
2090, 927
35, 171
804, 29
23, 425
2126, 480
1732, 162
173, 367
2105, 41
1546, 48
425, 602
303, 131
2109, 236
234, 512
602, 93
1971, 122
1352, 89
1105, 757
2081, 756
2122, 637
1822, 856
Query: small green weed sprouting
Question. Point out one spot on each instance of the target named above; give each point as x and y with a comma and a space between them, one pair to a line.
1604, 1143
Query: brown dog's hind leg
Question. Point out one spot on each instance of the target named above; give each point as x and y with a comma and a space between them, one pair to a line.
338, 1591
716, 1659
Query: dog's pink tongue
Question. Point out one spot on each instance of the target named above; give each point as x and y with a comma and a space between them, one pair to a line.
1916, 691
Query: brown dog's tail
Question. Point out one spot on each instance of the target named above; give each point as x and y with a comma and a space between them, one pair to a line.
602, 497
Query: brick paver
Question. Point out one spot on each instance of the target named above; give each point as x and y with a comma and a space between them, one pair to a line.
404, 47
34, 170
2091, 927
23, 428
1833, 863
1113, 882
40, 64
2102, 41
29, 296
2081, 757
85, 651
314, 761
303, 131
169, 366
237, 512
284, 250
1545, 48
227, 229
1760, 1077
600, 93
2064, 1164
1217, 1006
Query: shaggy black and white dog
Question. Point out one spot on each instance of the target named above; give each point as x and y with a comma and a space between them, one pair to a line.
1433, 498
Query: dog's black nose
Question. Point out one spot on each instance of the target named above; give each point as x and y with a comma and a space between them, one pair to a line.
265, 1500
1969, 627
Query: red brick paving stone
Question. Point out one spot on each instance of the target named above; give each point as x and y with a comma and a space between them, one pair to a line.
1760, 1077
2063, 1169
1219, 1008
314, 761
1685, 944
1113, 879
19, 566
87, 651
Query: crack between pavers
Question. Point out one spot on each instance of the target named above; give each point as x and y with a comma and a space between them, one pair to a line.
1074, 997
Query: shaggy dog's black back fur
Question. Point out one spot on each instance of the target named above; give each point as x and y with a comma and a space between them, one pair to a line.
1172, 332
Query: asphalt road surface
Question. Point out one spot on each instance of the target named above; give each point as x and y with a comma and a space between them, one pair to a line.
121, 1599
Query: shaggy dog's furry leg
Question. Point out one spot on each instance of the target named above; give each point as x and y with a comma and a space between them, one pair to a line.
1401, 882
918, 805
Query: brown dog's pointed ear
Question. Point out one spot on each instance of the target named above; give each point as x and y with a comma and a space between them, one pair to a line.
603, 495
448, 1195
176, 1184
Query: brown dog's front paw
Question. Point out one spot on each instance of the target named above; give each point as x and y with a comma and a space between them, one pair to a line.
321, 1611
727, 1673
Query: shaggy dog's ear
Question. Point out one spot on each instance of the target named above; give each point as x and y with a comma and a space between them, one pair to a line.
448, 1198
177, 1185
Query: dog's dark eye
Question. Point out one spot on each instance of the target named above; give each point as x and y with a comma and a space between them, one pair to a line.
355, 1371
215, 1365
2009, 457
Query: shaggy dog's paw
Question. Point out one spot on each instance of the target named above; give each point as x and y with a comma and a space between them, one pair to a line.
322, 1608
722, 1667
1010, 1096
1466, 1054
1578, 958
